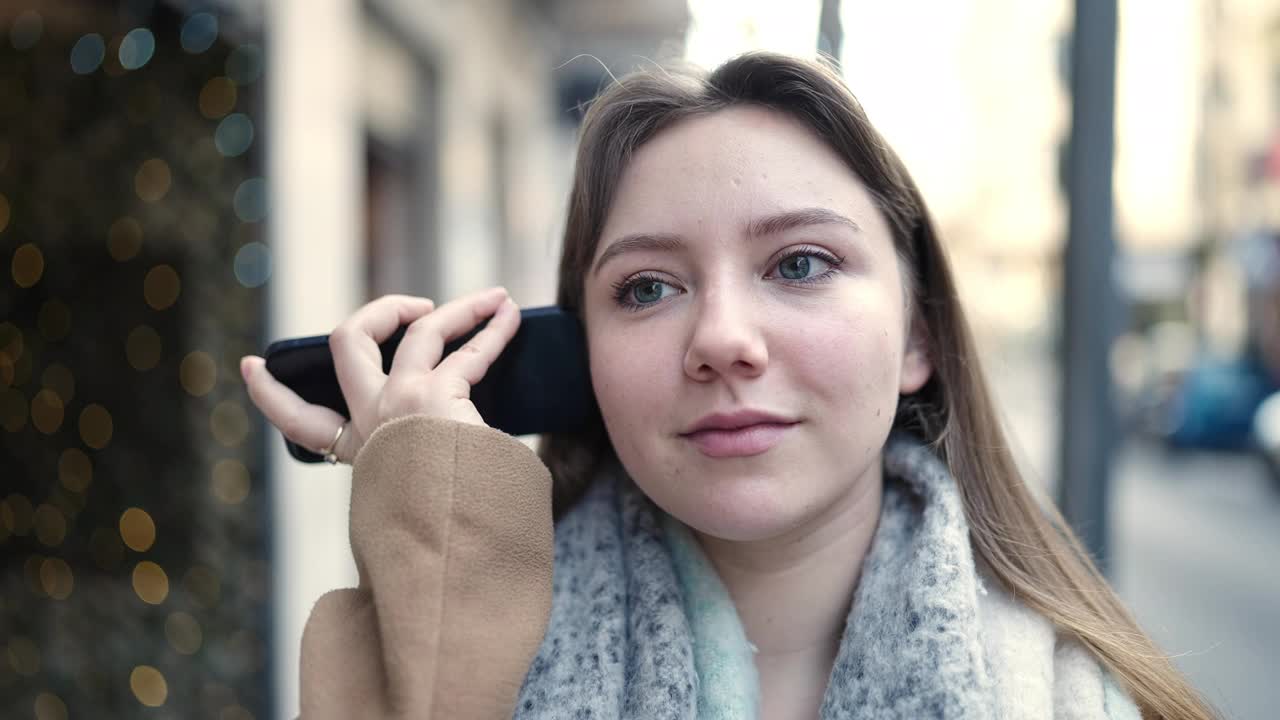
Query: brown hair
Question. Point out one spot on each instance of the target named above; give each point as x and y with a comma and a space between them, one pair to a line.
1027, 547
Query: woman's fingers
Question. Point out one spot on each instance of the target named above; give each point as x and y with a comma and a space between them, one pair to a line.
424, 342
311, 426
357, 359
414, 386
472, 360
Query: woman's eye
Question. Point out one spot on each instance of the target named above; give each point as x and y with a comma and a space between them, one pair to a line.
647, 291
804, 266
800, 265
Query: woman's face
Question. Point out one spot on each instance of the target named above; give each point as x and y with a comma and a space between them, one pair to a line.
743, 266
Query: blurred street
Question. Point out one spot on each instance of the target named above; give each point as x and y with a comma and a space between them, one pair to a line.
1196, 539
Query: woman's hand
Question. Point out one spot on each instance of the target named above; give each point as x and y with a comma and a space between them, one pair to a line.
419, 382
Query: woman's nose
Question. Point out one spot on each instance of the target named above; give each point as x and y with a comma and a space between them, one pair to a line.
726, 338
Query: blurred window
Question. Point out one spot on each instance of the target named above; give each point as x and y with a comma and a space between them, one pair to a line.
400, 160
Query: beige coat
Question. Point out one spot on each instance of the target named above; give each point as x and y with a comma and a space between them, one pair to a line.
453, 539
452, 535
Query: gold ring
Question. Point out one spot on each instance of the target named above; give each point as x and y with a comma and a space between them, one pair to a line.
329, 456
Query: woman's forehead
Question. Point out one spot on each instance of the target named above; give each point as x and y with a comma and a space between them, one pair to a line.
733, 169
729, 140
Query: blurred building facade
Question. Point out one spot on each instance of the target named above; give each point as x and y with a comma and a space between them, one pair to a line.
450, 131
182, 182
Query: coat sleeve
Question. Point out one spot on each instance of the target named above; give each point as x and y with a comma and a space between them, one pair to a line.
452, 535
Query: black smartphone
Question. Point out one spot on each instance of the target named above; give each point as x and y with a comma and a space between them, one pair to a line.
539, 383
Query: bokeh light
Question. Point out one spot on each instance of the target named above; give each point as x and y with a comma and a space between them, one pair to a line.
150, 582
137, 529
87, 54
26, 30
161, 287
234, 135
50, 707
252, 264
153, 180
244, 64
143, 348
137, 48
124, 239
28, 265
56, 578
95, 426
217, 97
230, 482
198, 373
50, 525
46, 411
75, 470
199, 33
229, 423
183, 632
54, 320
250, 201
148, 686
24, 656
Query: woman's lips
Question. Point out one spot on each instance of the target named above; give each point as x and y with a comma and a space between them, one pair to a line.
742, 442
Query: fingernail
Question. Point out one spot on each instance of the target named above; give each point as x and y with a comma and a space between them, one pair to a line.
244, 368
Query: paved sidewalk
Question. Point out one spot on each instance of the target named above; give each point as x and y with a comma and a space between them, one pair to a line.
1196, 542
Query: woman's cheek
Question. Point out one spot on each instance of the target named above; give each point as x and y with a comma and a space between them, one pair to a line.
621, 376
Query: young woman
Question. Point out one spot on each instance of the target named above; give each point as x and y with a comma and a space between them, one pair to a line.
798, 501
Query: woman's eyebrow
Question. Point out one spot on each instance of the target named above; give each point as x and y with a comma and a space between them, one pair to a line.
760, 227
637, 242
791, 219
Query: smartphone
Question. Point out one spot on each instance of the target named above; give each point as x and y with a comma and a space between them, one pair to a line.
539, 383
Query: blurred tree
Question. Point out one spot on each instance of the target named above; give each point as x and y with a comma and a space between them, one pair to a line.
133, 553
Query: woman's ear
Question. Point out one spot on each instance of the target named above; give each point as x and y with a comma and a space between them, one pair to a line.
916, 366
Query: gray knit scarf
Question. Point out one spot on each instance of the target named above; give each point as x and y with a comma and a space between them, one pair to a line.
641, 627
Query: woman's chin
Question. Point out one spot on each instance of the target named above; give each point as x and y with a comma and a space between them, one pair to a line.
743, 514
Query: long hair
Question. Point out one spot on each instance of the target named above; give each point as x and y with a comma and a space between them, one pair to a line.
1027, 547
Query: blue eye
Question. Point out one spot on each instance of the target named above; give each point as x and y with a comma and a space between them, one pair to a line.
646, 291
797, 266
639, 292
